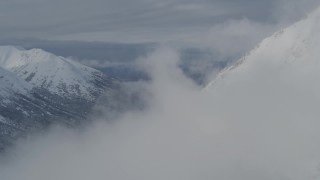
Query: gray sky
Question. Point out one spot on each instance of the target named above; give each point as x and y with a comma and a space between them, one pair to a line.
140, 20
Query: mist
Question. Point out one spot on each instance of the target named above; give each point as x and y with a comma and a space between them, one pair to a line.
261, 124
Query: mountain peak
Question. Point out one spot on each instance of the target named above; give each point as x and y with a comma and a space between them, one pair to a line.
57, 74
38, 88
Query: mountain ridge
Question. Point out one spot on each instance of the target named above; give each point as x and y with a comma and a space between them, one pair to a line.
57, 74
288, 46
38, 89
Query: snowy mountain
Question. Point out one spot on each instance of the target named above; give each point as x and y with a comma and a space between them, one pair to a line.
38, 89
296, 47
270, 102
59, 75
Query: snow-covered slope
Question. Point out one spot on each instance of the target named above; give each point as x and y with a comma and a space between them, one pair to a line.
296, 47
59, 75
270, 102
10, 83
38, 88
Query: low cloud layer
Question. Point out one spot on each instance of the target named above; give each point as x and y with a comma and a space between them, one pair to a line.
257, 125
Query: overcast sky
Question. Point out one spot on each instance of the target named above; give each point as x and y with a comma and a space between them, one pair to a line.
142, 20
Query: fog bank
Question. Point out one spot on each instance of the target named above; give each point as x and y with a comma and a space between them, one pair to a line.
254, 126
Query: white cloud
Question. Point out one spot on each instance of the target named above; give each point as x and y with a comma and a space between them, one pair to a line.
256, 126
234, 37
288, 11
